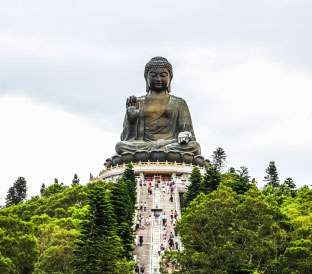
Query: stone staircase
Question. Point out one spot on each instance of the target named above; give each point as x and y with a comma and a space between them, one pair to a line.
143, 253
155, 234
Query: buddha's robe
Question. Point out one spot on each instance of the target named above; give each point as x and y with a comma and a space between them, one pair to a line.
160, 119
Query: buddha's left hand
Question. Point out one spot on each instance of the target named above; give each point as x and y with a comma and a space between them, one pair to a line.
184, 137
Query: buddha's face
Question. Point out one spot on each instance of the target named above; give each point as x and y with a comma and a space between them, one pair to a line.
158, 79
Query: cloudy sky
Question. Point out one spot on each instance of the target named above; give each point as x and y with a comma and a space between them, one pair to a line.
244, 67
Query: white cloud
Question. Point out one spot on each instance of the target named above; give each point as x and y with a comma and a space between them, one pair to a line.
238, 65
41, 143
256, 109
55, 49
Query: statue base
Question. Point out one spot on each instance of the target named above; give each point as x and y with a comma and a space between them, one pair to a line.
156, 156
152, 171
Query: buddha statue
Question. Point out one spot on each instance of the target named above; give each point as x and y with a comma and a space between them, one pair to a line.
157, 120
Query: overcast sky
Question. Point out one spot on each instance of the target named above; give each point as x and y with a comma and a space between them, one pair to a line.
67, 67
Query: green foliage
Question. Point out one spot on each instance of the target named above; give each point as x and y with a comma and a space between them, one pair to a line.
272, 176
43, 187
239, 229
238, 182
6, 265
98, 247
48, 205
57, 243
129, 174
219, 158
39, 236
211, 180
299, 211
290, 183
53, 189
170, 262
17, 193
194, 187
243, 269
18, 245
281, 193
129, 178
124, 212
223, 231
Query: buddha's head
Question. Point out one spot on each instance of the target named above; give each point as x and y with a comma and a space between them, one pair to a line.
158, 74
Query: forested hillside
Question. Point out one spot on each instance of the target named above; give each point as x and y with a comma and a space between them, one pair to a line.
230, 226
68, 230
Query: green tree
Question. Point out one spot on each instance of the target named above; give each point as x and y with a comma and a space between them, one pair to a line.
290, 183
6, 265
219, 158
242, 183
129, 178
98, 248
238, 183
297, 258
18, 245
194, 187
212, 179
43, 187
299, 211
53, 189
124, 212
17, 193
56, 246
129, 174
272, 176
223, 232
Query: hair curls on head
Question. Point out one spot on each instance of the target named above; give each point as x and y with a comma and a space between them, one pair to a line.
158, 62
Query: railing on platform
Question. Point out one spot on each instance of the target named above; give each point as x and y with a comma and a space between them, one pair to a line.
156, 233
146, 164
178, 209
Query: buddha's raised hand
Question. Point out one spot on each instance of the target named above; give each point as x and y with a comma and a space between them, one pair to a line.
132, 106
132, 102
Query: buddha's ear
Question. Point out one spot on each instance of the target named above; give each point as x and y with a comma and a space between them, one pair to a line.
147, 86
169, 86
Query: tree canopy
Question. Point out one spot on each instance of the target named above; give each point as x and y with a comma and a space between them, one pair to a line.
67, 230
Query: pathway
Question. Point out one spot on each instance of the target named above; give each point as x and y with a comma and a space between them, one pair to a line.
156, 233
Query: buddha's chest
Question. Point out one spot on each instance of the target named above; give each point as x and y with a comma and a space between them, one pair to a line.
156, 108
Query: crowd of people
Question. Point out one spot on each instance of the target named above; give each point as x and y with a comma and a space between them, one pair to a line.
144, 218
169, 240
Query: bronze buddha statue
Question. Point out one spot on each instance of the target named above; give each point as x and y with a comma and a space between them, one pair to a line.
158, 120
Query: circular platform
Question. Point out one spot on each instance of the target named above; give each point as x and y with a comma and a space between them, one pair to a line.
180, 171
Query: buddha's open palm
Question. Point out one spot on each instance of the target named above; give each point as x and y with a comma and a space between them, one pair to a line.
132, 102
132, 108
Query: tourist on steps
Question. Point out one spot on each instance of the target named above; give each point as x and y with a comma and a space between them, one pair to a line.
164, 219
145, 206
141, 240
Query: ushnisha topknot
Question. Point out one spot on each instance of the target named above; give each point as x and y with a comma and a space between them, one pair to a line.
158, 62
